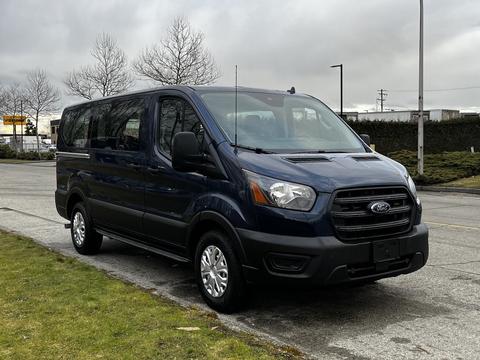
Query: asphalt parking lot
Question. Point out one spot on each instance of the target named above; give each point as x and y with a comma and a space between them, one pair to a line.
431, 314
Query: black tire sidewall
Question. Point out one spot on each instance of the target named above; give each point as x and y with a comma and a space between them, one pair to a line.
234, 294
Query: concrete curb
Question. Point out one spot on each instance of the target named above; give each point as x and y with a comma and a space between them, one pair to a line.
449, 189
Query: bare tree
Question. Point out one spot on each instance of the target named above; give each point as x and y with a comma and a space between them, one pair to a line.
41, 97
2, 100
79, 83
109, 75
11, 103
10, 98
180, 58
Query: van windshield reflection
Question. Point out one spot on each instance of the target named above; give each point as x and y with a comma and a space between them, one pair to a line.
281, 123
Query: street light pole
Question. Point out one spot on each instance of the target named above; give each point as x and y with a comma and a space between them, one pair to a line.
420, 95
341, 87
21, 124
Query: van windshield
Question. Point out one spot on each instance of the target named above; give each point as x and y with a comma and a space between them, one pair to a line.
280, 122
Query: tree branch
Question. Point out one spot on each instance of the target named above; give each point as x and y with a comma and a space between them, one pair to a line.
180, 58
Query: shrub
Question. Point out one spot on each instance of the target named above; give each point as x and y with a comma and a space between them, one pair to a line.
440, 168
27, 155
48, 155
6, 152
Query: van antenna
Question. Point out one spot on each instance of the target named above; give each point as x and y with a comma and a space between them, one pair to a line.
236, 91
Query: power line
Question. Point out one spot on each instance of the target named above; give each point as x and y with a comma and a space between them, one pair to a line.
399, 106
438, 90
383, 94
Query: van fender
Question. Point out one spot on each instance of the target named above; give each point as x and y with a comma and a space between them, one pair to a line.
220, 221
221, 204
76, 192
76, 184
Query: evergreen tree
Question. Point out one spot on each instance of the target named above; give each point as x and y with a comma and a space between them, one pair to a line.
30, 128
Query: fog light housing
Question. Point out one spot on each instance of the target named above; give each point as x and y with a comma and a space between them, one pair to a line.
286, 263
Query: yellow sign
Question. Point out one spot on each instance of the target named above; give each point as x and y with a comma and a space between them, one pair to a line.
14, 120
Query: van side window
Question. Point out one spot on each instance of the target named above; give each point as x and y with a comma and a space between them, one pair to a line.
117, 125
75, 128
99, 138
177, 115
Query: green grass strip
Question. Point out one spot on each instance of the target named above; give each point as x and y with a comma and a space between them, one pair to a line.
53, 307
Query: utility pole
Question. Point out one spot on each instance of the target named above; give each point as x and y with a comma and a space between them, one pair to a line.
420, 95
21, 124
15, 126
341, 87
383, 94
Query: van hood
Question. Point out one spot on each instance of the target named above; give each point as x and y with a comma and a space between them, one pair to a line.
327, 172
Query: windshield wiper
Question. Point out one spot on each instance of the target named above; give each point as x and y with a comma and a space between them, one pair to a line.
256, 149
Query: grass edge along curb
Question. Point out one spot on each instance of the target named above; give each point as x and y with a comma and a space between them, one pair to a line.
449, 189
53, 304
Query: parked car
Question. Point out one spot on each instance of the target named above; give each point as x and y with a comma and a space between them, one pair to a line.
249, 186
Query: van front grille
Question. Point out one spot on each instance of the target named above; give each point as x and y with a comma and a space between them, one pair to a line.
353, 218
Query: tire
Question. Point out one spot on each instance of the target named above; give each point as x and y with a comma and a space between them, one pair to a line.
228, 298
84, 238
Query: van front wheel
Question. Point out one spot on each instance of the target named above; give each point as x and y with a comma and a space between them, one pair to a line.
85, 239
218, 273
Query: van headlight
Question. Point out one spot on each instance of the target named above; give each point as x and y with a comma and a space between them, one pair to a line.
283, 194
413, 189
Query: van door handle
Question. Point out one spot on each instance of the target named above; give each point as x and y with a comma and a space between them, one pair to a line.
134, 166
155, 169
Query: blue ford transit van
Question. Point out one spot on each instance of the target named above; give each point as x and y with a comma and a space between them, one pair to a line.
249, 186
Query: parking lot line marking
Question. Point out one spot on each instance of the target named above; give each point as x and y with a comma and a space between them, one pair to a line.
449, 243
453, 270
458, 263
446, 207
453, 225
31, 215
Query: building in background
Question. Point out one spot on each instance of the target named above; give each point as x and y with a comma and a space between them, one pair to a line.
470, 115
349, 115
410, 115
25, 142
54, 124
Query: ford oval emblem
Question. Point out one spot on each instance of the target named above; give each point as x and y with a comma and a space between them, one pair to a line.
379, 207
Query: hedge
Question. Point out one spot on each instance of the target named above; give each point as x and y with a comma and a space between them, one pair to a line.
440, 168
440, 136
7, 153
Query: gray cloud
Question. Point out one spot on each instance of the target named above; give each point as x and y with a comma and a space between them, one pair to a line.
276, 44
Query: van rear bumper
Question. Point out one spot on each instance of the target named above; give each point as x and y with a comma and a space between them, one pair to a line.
325, 260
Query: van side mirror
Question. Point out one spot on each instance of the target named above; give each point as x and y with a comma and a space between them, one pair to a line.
365, 138
186, 154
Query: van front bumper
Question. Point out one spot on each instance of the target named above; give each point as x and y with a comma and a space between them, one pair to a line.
325, 260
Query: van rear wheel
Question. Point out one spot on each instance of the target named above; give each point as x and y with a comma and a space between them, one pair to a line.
85, 239
218, 273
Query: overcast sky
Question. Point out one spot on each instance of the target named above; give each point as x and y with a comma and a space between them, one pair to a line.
275, 43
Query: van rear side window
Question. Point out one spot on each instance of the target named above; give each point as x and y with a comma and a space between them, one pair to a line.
75, 128
116, 125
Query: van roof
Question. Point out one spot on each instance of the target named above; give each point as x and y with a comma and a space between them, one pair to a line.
186, 88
